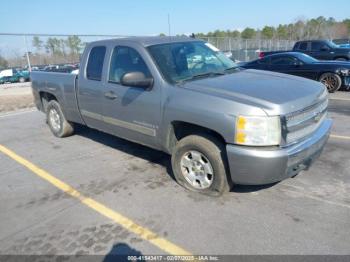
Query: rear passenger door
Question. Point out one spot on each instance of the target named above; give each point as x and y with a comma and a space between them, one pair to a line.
131, 112
90, 88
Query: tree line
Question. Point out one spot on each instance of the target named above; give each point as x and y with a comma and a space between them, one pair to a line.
3, 62
64, 50
56, 46
51, 50
316, 28
56, 50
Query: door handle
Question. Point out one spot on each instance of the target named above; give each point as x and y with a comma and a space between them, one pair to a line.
110, 95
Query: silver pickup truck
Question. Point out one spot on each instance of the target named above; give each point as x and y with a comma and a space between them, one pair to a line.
222, 125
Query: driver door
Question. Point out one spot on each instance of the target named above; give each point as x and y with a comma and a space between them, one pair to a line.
131, 112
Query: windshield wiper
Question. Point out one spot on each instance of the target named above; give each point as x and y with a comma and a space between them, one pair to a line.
231, 68
209, 74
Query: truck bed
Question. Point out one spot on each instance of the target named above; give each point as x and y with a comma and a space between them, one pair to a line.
63, 86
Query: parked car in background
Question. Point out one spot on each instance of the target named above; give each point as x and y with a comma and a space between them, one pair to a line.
342, 42
14, 76
333, 74
344, 45
59, 68
75, 72
221, 124
319, 49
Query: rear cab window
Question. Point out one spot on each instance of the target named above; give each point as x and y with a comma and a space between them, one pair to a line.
316, 46
302, 46
95, 63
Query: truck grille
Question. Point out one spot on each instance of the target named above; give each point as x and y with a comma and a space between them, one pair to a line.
303, 123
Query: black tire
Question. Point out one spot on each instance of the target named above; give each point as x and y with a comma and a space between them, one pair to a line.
213, 151
64, 128
332, 81
21, 80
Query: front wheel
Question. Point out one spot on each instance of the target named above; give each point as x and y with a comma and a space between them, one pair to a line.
198, 163
332, 81
22, 80
58, 124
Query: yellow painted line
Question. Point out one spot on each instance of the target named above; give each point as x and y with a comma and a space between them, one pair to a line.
125, 222
340, 137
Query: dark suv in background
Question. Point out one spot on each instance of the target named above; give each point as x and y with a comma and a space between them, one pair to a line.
319, 49
323, 50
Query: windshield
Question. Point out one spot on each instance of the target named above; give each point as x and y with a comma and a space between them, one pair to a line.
332, 44
188, 60
306, 58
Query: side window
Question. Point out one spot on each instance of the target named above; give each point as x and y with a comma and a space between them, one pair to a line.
263, 61
283, 60
124, 60
316, 46
95, 63
303, 46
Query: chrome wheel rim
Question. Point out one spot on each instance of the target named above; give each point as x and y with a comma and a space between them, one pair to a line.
55, 119
197, 169
329, 81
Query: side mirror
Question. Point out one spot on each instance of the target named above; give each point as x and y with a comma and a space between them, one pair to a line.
324, 48
136, 79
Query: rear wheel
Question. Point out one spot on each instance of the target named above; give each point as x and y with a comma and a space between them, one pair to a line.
199, 165
58, 124
21, 80
332, 81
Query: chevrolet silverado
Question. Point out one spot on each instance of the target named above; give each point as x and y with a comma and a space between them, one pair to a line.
221, 124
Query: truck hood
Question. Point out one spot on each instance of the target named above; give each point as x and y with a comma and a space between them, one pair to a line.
275, 93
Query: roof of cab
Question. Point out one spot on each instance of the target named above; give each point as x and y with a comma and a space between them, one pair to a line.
150, 40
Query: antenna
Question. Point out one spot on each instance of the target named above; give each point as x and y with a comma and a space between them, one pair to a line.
169, 32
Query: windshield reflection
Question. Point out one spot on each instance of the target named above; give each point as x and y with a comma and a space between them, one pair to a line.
184, 61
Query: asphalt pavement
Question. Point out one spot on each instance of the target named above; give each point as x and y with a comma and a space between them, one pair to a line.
308, 214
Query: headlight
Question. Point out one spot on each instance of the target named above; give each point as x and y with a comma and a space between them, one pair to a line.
258, 131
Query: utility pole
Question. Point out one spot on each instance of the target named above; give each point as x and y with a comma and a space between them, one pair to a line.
27, 53
169, 32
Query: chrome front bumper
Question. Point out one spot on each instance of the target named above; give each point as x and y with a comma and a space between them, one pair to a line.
257, 166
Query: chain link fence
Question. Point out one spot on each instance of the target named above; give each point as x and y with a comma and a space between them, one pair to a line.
248, 49
18, 50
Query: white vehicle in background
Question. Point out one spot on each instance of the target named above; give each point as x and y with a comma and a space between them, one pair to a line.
6, 72
75, 72
14, 76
